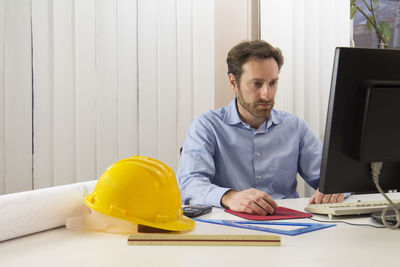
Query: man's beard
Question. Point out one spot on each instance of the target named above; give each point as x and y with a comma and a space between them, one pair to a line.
260, 112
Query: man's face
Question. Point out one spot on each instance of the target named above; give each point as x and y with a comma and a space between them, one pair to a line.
256, 91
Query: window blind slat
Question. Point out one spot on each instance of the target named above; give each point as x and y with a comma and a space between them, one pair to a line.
43, 94
107, 81
64, 93
167, 82
85, 84
17, 83
184, 69
148, 81
127, 79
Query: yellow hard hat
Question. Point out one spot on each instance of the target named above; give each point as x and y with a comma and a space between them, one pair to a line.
141, 190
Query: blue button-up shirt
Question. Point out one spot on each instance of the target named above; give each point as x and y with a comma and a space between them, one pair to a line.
221, 152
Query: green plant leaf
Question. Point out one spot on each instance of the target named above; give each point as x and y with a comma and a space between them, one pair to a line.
384, 29
375, 2
369, 26
352, 2
353, 11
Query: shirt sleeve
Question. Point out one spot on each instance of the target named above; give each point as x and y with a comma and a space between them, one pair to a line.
196, 169
310, 154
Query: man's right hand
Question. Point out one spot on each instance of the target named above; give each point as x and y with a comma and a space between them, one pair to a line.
250, 201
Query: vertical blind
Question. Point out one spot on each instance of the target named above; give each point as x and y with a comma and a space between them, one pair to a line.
307, 32
15, 96
86, 83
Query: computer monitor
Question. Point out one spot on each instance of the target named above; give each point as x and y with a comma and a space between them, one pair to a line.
363, 121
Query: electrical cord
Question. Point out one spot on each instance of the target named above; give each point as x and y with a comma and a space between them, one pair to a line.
331, 221
354, 224
375, 171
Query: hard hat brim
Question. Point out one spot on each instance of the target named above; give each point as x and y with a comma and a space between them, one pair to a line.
181, 224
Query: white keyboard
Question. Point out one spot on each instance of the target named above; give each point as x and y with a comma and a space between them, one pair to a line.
348, 208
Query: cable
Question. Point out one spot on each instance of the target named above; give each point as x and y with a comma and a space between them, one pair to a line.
354, 224
330, 221
375, 171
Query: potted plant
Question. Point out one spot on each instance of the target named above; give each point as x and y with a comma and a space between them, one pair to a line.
382, 29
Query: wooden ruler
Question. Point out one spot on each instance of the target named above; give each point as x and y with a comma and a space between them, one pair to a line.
204, 240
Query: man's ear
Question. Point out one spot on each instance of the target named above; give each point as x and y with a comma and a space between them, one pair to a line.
232, 82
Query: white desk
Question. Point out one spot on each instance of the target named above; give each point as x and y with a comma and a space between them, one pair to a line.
338, 246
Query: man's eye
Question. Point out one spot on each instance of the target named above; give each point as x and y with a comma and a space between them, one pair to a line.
273, 83
257, 84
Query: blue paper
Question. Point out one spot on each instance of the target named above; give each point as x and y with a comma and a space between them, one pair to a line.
252, 225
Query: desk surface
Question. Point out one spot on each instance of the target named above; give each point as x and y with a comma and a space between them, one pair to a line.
336, 246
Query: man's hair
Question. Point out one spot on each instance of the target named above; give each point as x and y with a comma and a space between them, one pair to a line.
249, 50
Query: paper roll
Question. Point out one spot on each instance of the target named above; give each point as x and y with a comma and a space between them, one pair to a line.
33, 211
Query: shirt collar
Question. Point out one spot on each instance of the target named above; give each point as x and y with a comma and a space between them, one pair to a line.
274, 118
231, 116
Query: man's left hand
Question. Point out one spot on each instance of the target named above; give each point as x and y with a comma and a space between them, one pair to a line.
319, 198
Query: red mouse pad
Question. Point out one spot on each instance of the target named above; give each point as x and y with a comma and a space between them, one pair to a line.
281, 213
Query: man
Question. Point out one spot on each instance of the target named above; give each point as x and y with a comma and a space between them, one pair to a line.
245, 155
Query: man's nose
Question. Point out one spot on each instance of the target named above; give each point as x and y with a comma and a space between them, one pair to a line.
266, 92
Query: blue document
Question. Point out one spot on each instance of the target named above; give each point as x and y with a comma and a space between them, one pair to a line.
252, 225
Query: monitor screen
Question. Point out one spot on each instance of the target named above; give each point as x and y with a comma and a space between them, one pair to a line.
363, 121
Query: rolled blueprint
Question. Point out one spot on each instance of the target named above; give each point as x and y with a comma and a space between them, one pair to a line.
33, 211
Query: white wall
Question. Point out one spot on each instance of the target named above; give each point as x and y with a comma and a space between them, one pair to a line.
111, 79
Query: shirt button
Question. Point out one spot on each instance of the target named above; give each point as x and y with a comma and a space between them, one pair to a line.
259, 177
258, 154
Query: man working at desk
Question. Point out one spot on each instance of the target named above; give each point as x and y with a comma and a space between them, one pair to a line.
246, 154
